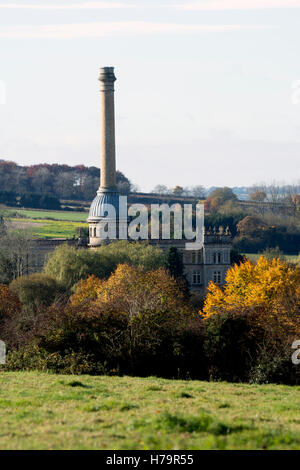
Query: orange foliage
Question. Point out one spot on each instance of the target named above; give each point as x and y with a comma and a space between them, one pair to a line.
86, 289
131, 291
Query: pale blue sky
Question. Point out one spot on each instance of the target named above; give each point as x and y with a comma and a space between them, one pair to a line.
203, 93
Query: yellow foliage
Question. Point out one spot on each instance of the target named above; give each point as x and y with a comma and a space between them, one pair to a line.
132, 291
271, 287
86, 289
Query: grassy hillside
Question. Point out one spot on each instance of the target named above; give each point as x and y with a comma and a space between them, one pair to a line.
45, 411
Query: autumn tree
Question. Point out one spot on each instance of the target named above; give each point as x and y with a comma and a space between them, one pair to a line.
86, 290
219, 197
178, 191
269, 290
258, 196
133, 291
9, 302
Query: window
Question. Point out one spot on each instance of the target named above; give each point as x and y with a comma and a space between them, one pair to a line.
196, 257
91, 232
196, 277
94, 232
217, 277
217, 257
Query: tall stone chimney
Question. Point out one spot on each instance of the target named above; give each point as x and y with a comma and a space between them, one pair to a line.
108, 147
107, 194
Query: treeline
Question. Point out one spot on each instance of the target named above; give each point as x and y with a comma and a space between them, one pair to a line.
30, 200
256, 228
60, 181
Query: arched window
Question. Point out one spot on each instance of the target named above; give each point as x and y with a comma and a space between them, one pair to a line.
219, 258
94, 232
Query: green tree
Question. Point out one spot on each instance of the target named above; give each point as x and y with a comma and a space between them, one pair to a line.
174, 263
69, 265
35, 290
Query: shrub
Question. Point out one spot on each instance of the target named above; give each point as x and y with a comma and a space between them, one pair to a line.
35, 290
230, 346
274, 365
135, 322
9, 303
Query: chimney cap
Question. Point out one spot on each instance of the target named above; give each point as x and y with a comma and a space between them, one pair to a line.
107, 74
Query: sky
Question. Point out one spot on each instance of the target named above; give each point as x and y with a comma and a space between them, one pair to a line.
207, 91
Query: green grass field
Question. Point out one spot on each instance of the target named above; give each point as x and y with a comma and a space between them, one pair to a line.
42, 228
46, 224
47, 411
57, 215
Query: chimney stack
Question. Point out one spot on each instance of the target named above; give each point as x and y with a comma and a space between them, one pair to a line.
108, 148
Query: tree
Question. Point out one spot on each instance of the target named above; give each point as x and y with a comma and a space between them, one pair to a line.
198, 191
68, 265
42, 181
224, 194
86, 290
14, 254
140, 254
258, 196
221, 197
178, 191
161, 189
134, 291
251, 226
9, 303
36, 290
269, 289
174, 263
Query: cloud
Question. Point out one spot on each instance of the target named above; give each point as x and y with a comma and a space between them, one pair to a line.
124, 28
219, 5
71, 6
